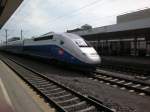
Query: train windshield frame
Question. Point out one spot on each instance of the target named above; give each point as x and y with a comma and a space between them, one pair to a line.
82, 43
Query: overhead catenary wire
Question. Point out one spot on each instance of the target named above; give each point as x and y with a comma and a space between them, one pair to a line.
79, 24
77, 10
96, 21
69, 14
86, 6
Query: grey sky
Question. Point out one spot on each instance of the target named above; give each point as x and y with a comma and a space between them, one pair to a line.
36, 17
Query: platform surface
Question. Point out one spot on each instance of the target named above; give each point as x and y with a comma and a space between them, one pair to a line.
5, 104
13, 97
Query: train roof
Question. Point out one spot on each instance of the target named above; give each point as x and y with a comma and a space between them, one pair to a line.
46, 37
71, 35
68, 35
47, 34
13, 39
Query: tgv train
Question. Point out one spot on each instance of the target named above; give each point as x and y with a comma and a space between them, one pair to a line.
63, 47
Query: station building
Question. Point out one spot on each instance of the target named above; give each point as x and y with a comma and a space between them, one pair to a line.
130, 36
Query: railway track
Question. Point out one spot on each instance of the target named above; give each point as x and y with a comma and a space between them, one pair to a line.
62, 98
139, 87
134, 71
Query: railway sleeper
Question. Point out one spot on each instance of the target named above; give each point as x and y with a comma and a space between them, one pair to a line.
71, 101
51, 87
48, 86
121, 81
54, 90
89, 109
146, 87
56, 94
35, 78
136, 85
76, 107
45, 86
129, 83
61, 98
40, 83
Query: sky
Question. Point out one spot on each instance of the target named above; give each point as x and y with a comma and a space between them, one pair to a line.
36, 17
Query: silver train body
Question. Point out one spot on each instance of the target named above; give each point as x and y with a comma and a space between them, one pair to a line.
65, 47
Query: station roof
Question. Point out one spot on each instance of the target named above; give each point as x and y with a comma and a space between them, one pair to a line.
7, 8
132, 16
137, 27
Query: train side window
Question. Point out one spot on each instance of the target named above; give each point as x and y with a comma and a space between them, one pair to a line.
61, 42
43, 38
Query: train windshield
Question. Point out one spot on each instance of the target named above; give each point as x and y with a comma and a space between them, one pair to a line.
81, 43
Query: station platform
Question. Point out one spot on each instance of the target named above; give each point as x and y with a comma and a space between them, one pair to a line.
140, 63
128, 59
15, 96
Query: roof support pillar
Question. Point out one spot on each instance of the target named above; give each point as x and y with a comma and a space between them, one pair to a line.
135, 47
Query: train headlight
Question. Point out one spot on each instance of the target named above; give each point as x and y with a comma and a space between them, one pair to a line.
84, 54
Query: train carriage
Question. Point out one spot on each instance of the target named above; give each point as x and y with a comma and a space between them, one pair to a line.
65, 47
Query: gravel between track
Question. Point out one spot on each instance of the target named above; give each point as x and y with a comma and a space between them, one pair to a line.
121, 100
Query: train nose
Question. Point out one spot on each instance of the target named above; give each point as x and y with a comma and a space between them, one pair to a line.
95, 60
91, 56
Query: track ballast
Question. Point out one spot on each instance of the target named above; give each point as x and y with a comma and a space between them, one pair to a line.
62, 98
132, 85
